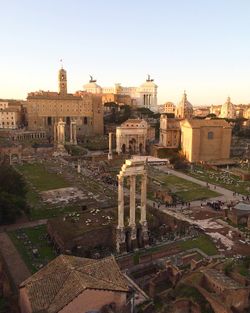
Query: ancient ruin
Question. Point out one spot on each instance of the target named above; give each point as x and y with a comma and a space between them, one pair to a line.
59, 135
128, 235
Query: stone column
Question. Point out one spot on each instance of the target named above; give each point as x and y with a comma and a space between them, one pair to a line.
55, 133
70, 133
143, 199
78, 167
60, 134
120, 203
120, 233
143, 220
110, 156
132, 209
73, 139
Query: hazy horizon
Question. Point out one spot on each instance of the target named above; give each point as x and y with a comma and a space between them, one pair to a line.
198, 46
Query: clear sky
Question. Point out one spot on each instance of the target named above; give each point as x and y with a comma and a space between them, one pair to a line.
202, 46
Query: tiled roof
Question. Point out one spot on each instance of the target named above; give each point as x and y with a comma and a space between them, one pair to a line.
207, 123
133, 120
63, 279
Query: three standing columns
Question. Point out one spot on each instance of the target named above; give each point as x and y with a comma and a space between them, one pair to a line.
132, 210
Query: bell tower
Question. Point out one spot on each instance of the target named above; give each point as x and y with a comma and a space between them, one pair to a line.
62, 81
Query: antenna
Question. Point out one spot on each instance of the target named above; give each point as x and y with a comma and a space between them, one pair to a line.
61, 62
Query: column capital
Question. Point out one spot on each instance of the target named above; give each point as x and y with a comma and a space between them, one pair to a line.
120, 177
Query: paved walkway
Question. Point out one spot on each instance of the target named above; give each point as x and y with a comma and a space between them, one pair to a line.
16, 266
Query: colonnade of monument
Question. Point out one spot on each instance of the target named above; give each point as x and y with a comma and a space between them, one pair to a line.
132, 169
59, 133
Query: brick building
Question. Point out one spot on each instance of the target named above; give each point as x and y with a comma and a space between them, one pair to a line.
205, 140
45, 109
72, 284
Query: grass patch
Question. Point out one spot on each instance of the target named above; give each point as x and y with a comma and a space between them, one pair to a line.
26, 240
198, 193
210, 176
183, 189
44, 212
204, 243
190, 292
40, 178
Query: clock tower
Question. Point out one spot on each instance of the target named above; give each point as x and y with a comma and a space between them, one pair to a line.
62, 81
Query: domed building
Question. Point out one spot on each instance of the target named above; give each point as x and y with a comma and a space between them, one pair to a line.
228, 110
169, 107
92, 87
184, 108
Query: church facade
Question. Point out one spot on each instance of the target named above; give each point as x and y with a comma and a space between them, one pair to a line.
205, 140
45, 109
184, 108
199, 139
228, 110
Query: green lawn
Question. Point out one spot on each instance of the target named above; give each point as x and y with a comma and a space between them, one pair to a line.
204, 243
44, 211
210, 175
190, 292
198, 193
40, 178
27, 239
184, 189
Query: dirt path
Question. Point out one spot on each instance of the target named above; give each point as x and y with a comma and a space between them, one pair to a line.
16, 266
22, 225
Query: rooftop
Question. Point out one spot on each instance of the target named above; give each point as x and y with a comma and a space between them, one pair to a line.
62, 280
197, 123
241, 206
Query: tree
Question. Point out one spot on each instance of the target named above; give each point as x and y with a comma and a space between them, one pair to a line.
12, 194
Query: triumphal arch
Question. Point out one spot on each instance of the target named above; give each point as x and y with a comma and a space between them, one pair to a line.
131, 234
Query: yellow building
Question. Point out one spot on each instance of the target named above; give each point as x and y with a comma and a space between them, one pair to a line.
246, 113
10, 114
45, 109
169, 132
205, 140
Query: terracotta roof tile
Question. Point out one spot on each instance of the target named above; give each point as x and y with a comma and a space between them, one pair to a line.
63, 279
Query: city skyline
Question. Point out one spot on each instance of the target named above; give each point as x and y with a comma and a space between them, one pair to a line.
201, 48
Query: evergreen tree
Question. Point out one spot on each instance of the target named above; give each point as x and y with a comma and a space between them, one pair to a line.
12, 194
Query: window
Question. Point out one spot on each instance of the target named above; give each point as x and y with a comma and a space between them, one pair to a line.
85, 120
210, 135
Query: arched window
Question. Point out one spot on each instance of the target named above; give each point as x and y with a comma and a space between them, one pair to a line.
210, 135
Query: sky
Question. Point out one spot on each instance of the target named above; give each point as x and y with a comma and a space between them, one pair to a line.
199, 46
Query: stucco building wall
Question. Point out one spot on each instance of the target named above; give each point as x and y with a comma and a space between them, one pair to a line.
95, 300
